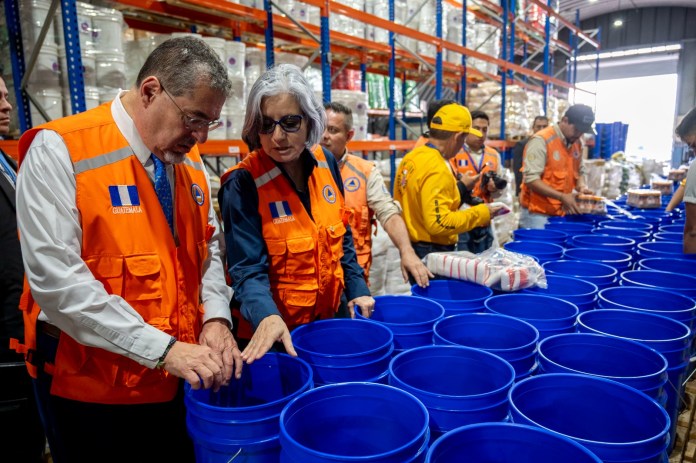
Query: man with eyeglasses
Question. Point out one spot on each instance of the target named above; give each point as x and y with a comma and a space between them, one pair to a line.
686, 131
123, 254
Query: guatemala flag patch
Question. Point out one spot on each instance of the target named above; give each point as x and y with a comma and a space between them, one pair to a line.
124, 195
280, 212
462, 162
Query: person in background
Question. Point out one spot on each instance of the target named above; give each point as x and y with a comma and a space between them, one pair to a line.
22, 439
478, 160
677, 197
553, 170
686, 131
290, 249
540, 122
433, 107
123, 256
425, 185
367, 196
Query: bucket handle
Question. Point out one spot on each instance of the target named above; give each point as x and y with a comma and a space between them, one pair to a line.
235, 455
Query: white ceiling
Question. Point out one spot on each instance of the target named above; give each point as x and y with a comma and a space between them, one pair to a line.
590, 9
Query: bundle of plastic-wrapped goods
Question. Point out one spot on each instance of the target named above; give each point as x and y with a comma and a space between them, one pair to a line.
385, 273
454, 32
517, 119
535, 105
496, 268
595, 174
487, 97
613, 174
486, 41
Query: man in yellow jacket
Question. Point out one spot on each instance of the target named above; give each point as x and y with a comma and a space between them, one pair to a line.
426, 186
367, 196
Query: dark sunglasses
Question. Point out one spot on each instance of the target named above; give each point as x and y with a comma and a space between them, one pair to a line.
290, 123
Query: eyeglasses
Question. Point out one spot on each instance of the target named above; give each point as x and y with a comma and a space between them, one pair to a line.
194, 123
290, 124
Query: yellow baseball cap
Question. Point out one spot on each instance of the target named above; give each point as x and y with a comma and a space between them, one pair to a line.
454, 118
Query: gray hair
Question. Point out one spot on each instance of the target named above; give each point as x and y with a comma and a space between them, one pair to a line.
278, 80
182, 63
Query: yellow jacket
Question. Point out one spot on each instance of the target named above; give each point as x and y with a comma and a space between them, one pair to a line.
427, 190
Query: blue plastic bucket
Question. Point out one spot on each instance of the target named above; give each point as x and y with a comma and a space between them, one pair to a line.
614, 421
669, 236
582, 218
594, 240
341, 350
410, 319
628, 362
626, 225
360, 422
540, 234
670, 281
571, 228
600, 274
458, 385
579, 292
510, 338
673, 228
544, 252
669, 249
619, 260
455, 296
666, 264
549, 315
639, 236
652, 300
242, 418
507, 442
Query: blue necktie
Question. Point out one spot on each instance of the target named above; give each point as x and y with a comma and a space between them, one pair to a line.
164, 191
5, 166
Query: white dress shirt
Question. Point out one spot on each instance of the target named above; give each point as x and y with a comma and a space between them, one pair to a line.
62, 284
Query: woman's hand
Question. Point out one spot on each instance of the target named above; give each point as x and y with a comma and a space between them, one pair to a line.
366, 304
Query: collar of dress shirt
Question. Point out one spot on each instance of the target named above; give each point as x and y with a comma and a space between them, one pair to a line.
127, 127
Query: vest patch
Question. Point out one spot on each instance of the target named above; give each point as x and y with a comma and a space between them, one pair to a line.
124, 195
352, 184
462, 162
280, 212
329, 194
197, 194
557, 155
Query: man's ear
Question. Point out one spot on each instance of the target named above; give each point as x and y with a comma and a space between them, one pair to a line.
350, 135
149, 88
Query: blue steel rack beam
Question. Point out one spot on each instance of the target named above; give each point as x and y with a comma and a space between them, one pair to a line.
392, 88
17, 60
73, 55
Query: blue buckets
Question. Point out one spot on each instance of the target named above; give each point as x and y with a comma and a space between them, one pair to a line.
458, 385
614, 421
626, 225
455, 296
543, 252
673, 228
593, 240
241, 419
360, 422
599, 274
670, 281
410, 319
512, 339
540, 234
341, 349
549, 315
507, 442
628, 362
571, 228
669, 236
653, 300
665, 264
576, 291
669, 249
619, 260
639, 236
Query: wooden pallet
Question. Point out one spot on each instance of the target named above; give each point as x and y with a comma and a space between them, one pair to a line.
684, 450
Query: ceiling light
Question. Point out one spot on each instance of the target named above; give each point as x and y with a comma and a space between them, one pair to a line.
593, 1
618, 22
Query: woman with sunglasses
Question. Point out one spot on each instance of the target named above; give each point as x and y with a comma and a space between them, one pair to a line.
290, 251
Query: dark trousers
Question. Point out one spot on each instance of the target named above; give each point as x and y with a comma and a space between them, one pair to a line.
476, 241
422, 249
88, 432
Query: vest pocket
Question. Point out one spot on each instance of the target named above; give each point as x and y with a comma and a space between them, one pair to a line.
298, 305
143, 277
276, 256
300, 256
108, 270
335, 234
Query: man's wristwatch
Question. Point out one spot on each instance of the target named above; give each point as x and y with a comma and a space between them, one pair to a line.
160, 362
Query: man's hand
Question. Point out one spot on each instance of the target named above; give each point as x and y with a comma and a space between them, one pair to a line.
216, 334
568, 203
366, 304
469, 179
411, 264
199, 365
272, 329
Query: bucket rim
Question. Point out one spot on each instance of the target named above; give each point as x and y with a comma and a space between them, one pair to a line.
336, 321
491, 316
358, 314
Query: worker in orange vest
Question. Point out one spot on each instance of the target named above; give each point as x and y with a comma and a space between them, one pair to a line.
126, 295
553, 170
367, 196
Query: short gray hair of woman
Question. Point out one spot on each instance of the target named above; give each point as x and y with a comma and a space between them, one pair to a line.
278, 80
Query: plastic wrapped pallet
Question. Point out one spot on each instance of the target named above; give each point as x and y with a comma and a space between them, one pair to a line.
385, 273
595, 175
613, 173
487, 97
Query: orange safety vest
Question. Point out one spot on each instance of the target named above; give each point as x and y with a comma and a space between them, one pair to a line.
464, 162
355, 172
560, 173
304, 252
128, 247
